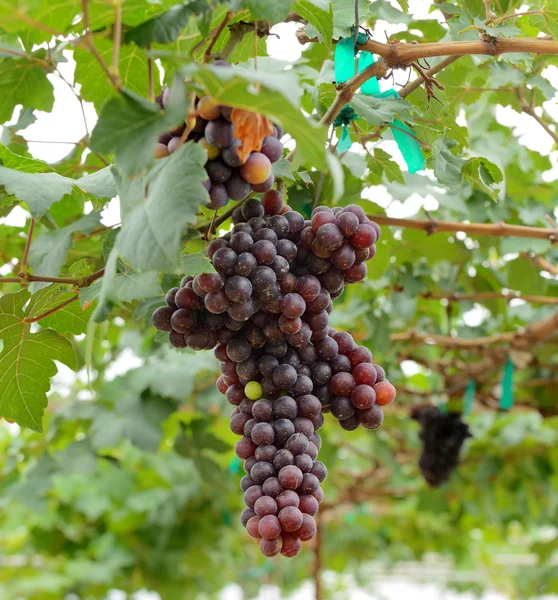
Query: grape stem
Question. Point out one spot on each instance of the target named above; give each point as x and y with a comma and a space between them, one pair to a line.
204, 227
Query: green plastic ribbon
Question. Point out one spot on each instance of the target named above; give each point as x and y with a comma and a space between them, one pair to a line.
506, 399
441, 405
234, 465
469, 397
344, 68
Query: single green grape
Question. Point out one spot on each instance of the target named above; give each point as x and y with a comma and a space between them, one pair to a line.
253, 390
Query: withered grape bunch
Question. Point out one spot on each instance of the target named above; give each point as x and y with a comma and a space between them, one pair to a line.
265, 312
442, 435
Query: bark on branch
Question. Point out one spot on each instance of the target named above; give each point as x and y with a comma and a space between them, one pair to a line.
493, 229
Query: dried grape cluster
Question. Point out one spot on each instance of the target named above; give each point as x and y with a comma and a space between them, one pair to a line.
265, 312
442, 435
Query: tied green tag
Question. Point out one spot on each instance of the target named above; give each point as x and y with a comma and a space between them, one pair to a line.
344, 67
441, 405
506, 399
469, 397
234, 465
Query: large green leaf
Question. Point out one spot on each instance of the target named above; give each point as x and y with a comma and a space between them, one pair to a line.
166, 27
27, 363
48, 251
72, 318
318, 13
23, 82
95, 85
17, 162
270, 10
41, 190
151, 235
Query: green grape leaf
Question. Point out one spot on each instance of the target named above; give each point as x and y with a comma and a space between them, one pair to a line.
27, 363
151, 234
129, 125
95, 85
270, 10
447, 167
48, 251
376, 111
41, 190
320, 15
383, 165
23, 82
10, 160
72, 318
166, 27
483, 174
192, 264
278, 98
547, 19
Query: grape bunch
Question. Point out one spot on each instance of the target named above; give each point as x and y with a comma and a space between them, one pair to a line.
265, 312
443, 435
232, 173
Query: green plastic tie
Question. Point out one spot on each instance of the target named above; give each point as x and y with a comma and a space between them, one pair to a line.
441, 405
234, 465
344, 68
469, 396
506, 399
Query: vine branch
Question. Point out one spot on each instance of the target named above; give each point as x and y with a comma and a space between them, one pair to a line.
480, 296
81, 282
492, 229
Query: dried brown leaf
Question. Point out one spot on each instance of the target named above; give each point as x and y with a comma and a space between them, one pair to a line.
250, 128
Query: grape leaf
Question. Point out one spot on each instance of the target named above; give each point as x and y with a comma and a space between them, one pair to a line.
41, 190
48, 251
376, 111
321, 17
23, 82
17, 162
270, 10
95, 85
69, 319
128, 126
27, 363
447, 167
383, 165
547, 19
165, 28
192, 264
151, 235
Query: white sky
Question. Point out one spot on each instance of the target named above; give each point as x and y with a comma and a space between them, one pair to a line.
65, 124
